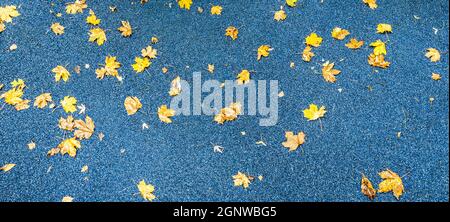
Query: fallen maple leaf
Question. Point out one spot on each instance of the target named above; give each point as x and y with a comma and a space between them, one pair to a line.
67, 123
371, 3
211, 68
57, 28
216, 10
67, 199
42, 100
141, 64
229, 113
132, 105
125, 29
435, 76
243, 77
69, 146
264, 51
391, 182
61, 73
280, 15
293, 141
307, 54
313, 40
379, 47
84, 129
92, 18
76, 7
149, 52
433, 54
165, 113
186, 4
313, 112
7, 13
241, 179
69, 104
175, 87
110, 68
354, 44
232, 32
384, 28
378, 61
328, 73
339, 33
367, 188
97, 35
291, 3
146, 190
7, 167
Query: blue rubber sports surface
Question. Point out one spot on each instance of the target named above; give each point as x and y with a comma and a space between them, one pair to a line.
358, 134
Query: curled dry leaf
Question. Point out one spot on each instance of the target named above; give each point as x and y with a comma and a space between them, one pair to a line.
280, 15
307, 54
149, 52
243, 77
263, 51
57, 28
433, 54
67, 123
384, 28
216, 10
339, 33
371, 3
175, 87
367, 188
7, 167
232, 32
132, 105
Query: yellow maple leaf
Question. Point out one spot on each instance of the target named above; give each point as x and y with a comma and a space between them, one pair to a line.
132, 105
109, 69
66, 124
146, 190
12, 96
435, 76
243, 77
307, 54
280, 15
354, 44
339, 33
61, 73
76, 7
149, 52
57, 28
391, 182
69, 146
293, 141
291, 3
175, 86
379, 47
84, 129
185, 4
7, 13
211, 68
433, 54
22, 105
69, 104
67, 199
7, 167
371, 3
92, 18
241, 179
313, 40
42, 100
384, 28
263, 51
378, 61
328, 73
232, 32
141, 64
313, 112
229, 113
97, 35
126, 29
216, 10
367, 188
165, 113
